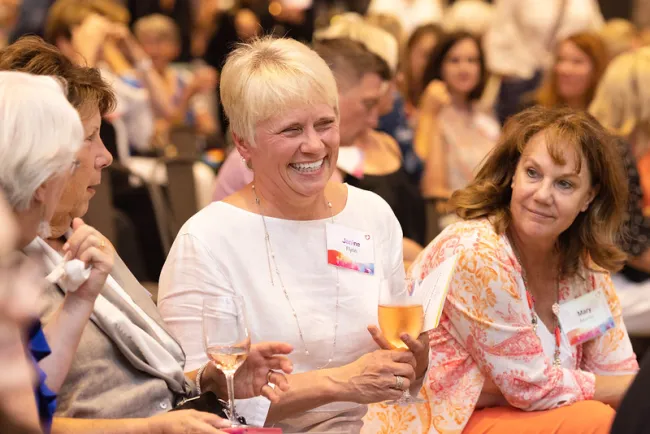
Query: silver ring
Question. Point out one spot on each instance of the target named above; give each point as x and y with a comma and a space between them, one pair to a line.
399, 382
268, 377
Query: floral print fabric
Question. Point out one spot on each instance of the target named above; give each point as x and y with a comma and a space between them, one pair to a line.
486, 335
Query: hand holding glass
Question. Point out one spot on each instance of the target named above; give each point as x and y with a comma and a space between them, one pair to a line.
226, 339
400, 311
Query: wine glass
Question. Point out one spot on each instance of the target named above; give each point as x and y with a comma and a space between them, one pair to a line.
400, 311
226, 340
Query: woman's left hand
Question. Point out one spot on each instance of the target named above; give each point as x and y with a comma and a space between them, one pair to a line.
419, 347
90, 246
266, 363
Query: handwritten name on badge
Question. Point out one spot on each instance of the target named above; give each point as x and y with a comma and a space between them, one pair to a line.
350, 248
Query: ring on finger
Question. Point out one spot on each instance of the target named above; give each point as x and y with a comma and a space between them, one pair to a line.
268, 377
102, 244
399, 382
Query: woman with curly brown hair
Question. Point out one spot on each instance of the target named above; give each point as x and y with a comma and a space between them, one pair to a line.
531, 333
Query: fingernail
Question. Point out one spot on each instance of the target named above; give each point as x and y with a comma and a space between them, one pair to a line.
66, 246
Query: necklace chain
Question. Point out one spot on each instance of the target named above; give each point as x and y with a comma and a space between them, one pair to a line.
270, 257
531, 304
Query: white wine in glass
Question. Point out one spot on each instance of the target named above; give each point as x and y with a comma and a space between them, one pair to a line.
226, 339
400, 311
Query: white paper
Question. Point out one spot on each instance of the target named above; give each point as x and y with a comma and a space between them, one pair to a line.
434, 289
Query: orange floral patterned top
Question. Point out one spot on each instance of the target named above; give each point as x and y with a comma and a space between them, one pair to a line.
486, 334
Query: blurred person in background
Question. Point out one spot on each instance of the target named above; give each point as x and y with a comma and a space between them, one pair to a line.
622, 105
19, 310
620, 36
126, 338
375, 161
520, 41
94, 32
453, 134
472, 16
392, 108
191, 92
9, 13
41, 136
415, 58
182, 12
412, 13
32, 15
580, 61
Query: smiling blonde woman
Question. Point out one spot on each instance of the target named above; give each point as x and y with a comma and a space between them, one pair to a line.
268, 244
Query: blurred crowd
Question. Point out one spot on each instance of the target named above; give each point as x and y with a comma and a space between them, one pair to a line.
425, 89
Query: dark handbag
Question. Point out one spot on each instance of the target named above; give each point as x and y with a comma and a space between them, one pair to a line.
208, 403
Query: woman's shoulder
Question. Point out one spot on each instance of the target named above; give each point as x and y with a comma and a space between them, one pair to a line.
217, 219
367, 202
479, 230
476, 237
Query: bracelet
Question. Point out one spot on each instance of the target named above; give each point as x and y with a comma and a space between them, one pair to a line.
198, 377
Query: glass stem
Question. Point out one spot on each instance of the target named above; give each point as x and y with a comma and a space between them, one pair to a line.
230, 382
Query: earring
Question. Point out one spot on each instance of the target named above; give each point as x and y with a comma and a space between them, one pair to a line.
243, 160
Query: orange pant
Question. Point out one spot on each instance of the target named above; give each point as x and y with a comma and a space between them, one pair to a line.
586, 417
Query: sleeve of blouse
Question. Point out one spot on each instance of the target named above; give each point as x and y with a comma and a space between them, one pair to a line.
611, 353
190, 273
485, 308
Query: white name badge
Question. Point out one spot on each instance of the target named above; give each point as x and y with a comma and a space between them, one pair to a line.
350, 248
586, 317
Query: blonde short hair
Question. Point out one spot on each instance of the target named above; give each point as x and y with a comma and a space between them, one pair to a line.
622, 100
268, 76
159, 25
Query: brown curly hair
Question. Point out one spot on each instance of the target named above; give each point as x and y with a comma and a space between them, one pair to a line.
594, 232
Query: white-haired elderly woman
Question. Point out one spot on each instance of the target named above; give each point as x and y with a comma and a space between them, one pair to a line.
273, 241
41, 134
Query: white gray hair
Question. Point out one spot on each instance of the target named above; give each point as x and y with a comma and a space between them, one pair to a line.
40, 133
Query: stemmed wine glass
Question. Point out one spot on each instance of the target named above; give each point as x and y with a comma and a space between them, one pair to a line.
400, 311
226, 340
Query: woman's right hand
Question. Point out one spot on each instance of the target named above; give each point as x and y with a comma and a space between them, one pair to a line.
90, 246
435, 97
372, 377
186, 421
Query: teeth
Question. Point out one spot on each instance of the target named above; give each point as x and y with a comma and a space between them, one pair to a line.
308, 167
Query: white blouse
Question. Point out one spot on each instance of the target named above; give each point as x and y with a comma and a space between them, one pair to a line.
517, 42
221, 250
